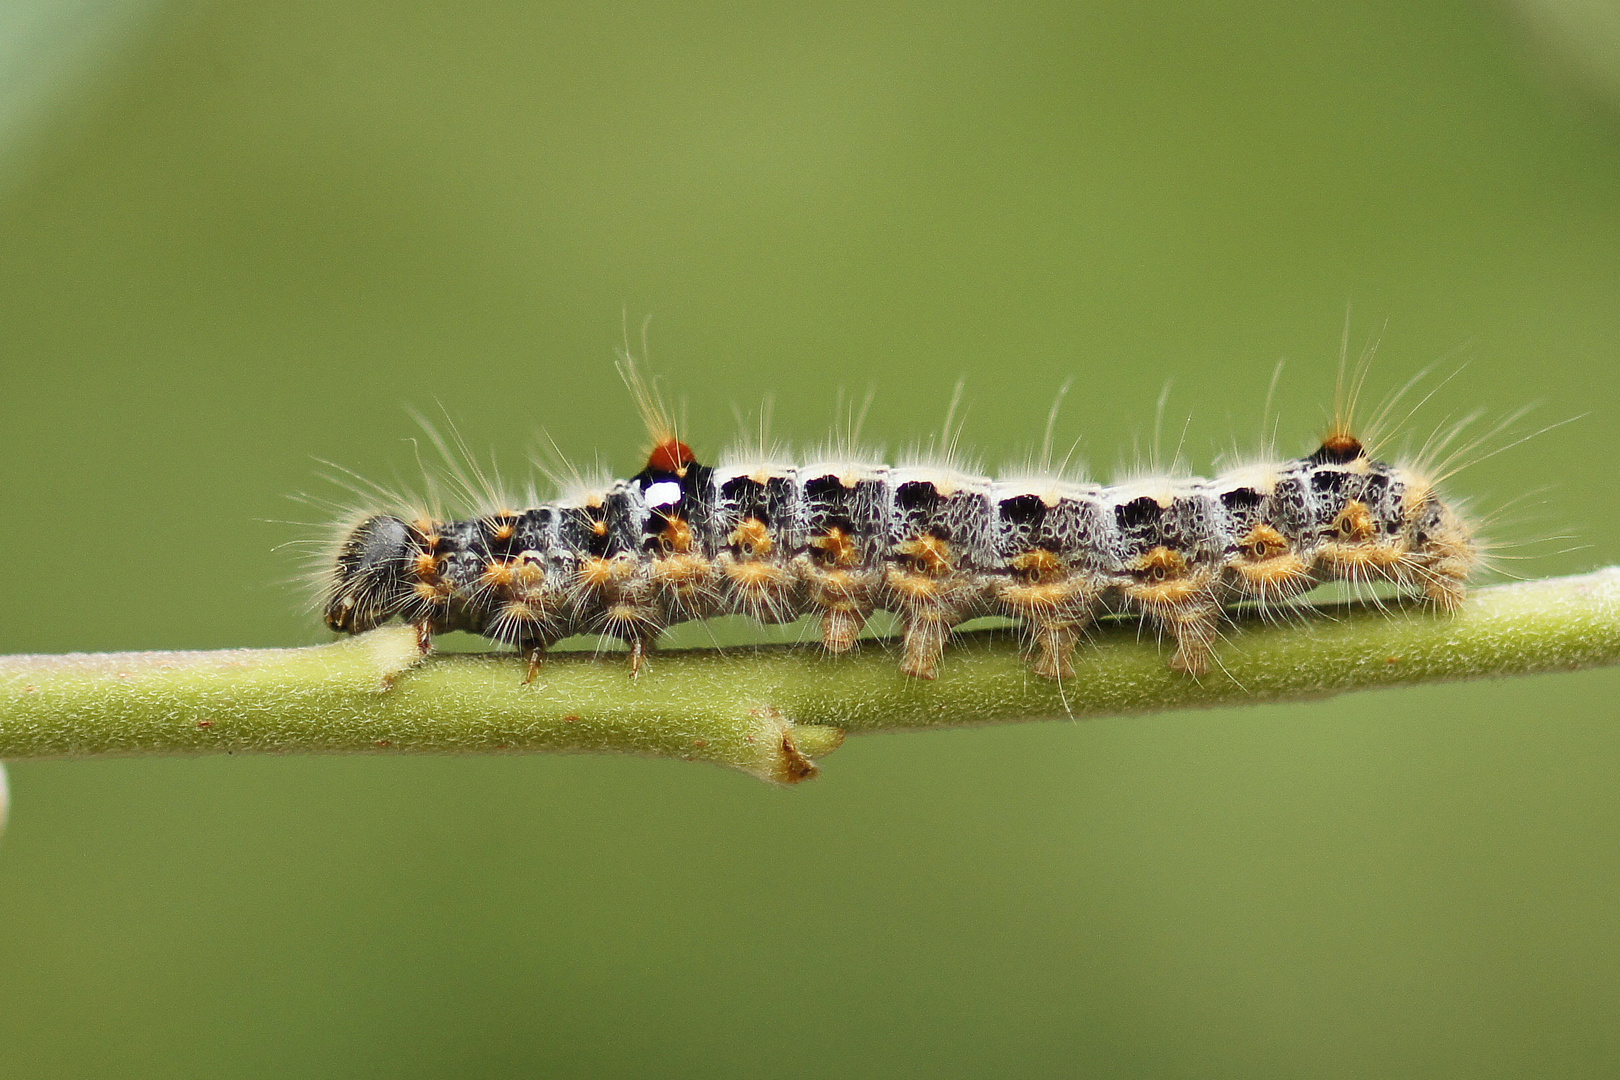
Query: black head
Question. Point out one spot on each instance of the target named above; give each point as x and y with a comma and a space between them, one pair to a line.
371, 578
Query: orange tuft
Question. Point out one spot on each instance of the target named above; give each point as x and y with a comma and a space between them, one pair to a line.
755, 575
671, 456
1340, 447
928, 553
1355, 523
677, 535
1038, 564
753, 537
498, 573
837, 547
1262, 542
1161, 564
596, 573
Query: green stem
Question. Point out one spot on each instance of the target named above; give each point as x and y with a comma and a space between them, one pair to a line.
769, 711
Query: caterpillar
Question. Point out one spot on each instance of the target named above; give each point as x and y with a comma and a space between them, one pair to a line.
844, 536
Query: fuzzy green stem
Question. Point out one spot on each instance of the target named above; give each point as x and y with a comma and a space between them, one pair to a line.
769, 711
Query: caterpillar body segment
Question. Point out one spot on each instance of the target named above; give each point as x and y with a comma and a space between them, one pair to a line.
841, 539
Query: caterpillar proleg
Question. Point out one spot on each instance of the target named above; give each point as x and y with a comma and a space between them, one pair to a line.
842, 537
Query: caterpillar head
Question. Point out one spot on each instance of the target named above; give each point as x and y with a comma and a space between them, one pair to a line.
373, 575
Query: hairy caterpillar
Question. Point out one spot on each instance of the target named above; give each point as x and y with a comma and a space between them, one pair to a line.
842, 537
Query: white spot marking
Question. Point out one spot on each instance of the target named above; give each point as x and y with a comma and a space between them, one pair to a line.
663, 493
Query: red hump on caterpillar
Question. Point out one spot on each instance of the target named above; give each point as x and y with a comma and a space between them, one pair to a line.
671, 456
935, 546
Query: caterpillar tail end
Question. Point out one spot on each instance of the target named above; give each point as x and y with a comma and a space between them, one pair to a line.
1446, 593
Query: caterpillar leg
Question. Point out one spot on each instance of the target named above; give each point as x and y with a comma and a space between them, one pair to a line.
1183, 598
639, 648
638, 626
1195, 629
840, 626
1054, 605
1446, 560
536, 658
762, 590
931, 597
843, 599
1055, 642
925, 635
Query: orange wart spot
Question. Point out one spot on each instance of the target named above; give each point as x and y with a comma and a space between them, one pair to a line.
498, 573
838, 585
677, 535
432, 592
1262, 542
755, 574
425, 566
1161, 564
838, 546
1039, 598
753, 537
595, 573
681, 570
928, 553
671, 456
914, 586
1354, 523
503, 530
1164, 579
599, 527
1280, 572
519, 612
1038, 564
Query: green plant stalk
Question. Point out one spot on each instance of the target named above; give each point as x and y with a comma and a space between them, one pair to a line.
769, 711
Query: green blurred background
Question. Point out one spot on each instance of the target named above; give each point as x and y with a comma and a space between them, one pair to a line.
234, 238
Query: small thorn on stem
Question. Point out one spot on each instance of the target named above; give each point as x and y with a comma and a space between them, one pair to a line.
424, 637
